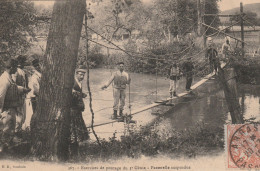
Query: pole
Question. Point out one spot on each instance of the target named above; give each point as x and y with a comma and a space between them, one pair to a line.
242, 26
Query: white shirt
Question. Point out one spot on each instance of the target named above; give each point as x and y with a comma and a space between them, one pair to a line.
34, 84
79, 83
118, 73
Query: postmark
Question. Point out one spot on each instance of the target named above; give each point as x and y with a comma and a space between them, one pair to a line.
243, 146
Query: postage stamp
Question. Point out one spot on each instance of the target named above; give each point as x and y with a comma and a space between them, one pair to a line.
243, 146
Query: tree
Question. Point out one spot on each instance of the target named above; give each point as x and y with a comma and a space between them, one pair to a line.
51, 123
250, 17
211, 7
118, 16
16, 26
176, 16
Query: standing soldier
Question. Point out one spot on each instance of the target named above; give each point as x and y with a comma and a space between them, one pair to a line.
174, 75
212, 54
34, 83
188, 71
226, 47
78, 129
21, 79
120, 79
9, 103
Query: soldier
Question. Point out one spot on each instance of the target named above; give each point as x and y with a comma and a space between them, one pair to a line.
188, 71
21, 79
9, 103
226, 47
120, 79
78, 129
34, 83
174, 75
212, 54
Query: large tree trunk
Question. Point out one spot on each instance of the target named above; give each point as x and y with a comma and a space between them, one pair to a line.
50, 124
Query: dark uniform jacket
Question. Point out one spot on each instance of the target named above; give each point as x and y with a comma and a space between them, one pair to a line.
77, 97
187, 68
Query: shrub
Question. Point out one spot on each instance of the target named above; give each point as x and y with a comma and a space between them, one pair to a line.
150, 142
247, 68
95, 56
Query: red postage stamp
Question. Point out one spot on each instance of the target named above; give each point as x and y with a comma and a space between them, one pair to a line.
243, 146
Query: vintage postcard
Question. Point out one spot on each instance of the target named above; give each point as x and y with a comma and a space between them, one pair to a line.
129, 85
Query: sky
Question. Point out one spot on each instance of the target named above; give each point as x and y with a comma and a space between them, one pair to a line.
229, 4
223, 4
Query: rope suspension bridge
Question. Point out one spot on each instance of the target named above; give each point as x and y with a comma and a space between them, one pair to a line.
140, 110
182, 56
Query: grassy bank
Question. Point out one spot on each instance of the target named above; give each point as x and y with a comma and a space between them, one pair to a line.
193, 142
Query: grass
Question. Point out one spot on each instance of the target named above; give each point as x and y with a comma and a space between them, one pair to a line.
193, 142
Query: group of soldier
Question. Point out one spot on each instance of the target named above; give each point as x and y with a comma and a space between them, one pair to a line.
14, 89
187, 68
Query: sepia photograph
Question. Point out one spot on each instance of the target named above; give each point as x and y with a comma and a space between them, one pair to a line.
129, 85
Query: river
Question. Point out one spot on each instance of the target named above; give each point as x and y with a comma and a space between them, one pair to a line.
207, 107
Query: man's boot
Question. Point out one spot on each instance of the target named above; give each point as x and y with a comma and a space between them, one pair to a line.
121, 113
114, 116
121, 117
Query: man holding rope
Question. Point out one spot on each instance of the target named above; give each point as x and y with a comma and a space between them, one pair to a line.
120, 79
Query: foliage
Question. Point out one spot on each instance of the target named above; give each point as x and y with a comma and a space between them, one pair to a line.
120, 17
17, 23
211, 7
250, 18
192, 142
150, 142
248, 69
96, 57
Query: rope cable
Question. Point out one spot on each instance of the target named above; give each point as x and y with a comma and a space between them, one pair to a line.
88, 84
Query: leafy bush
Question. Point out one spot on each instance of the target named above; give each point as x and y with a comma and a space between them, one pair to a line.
96, 58
247, 68
150, 142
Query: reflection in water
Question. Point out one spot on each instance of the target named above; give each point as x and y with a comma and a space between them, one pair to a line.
210, 108
250, 101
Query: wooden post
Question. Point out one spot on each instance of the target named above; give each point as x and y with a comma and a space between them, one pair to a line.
242, 25
227, 79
